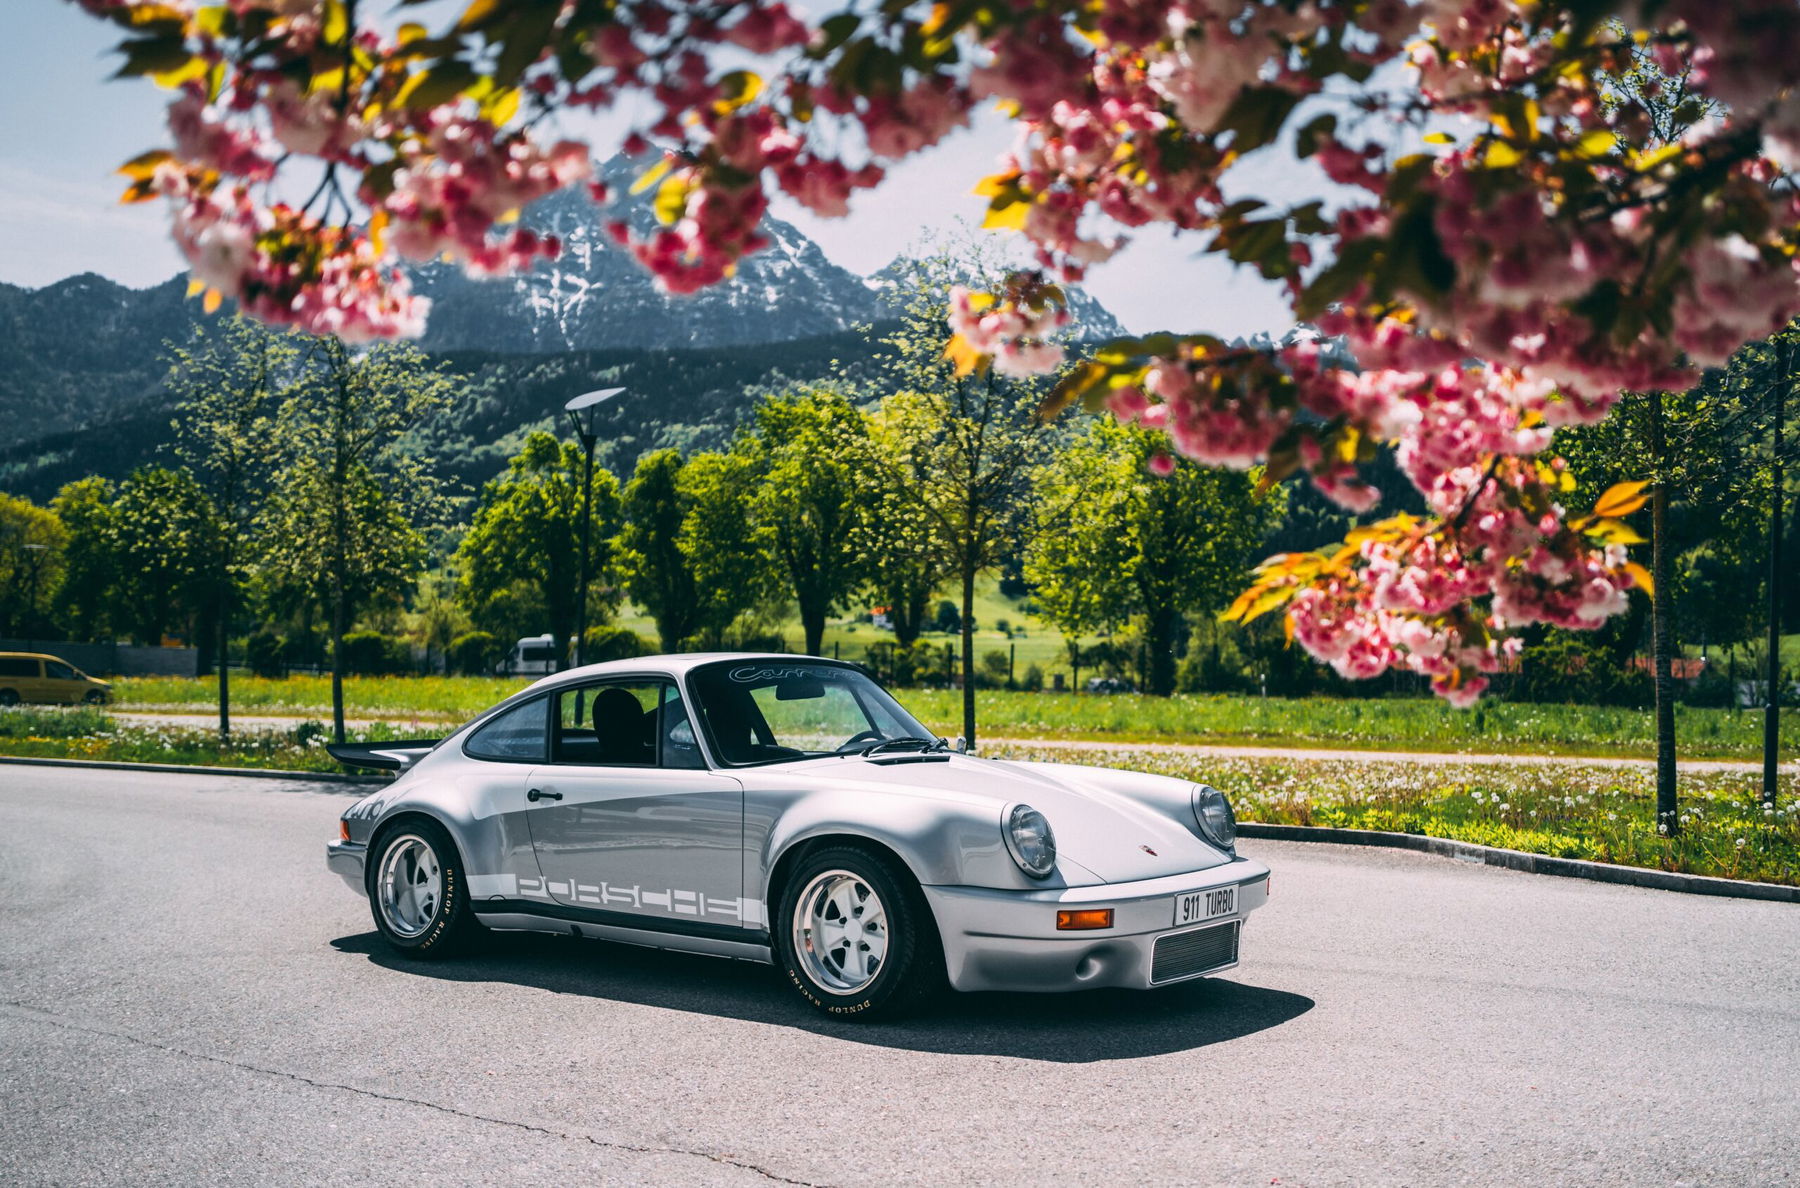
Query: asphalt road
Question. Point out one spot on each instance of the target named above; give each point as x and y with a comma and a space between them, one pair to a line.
186, 995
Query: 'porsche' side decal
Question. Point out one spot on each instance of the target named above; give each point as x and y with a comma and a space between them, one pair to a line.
659, 900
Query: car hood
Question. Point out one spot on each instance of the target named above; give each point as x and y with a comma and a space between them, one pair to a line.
1100, 827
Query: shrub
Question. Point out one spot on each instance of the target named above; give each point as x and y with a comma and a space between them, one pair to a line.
1004, 627
612, 642
1033, 680
996, 667
948, 617
474, 653
267, 653
370, 653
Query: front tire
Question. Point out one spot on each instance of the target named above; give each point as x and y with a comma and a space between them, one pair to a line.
417, 891
855, 938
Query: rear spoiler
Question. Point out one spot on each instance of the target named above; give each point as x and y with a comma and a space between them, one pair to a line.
397, 755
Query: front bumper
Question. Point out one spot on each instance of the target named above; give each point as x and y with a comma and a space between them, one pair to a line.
345, 859
1008, 940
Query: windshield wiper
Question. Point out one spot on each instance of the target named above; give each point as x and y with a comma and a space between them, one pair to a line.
906, 741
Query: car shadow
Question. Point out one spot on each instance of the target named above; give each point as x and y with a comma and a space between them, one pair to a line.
1073, 1028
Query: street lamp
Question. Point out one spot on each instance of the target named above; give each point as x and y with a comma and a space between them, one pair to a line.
581, 416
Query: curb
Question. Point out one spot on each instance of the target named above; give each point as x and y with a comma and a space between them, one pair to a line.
1543, 864
263, 773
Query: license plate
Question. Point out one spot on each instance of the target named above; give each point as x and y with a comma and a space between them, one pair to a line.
1197, 906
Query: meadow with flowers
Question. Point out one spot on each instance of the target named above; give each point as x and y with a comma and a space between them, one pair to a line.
1565, 810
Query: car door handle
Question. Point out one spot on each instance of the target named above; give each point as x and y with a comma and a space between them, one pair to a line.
535, 795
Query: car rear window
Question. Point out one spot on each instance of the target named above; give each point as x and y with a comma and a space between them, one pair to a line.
518, 735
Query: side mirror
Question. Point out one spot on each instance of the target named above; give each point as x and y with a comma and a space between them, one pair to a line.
960, 745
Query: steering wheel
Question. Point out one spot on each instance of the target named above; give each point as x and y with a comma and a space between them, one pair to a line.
861, 736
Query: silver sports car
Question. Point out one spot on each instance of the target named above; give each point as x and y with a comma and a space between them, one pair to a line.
789, 811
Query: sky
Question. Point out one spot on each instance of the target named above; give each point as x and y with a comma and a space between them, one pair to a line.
68, 129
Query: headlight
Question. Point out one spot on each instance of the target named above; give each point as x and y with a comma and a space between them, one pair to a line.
1218, 824
1029, 838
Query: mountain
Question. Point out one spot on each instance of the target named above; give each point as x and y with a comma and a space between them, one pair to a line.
595, 296
82, 361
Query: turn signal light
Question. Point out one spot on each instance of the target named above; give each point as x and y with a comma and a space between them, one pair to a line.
343, 830
1088, 918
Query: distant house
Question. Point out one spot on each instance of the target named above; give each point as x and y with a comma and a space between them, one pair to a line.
878, 615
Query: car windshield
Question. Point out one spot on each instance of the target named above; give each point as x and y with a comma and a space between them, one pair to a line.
765, 711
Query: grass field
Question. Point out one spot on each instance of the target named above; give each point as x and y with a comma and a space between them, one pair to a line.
1602, 814
1419, 724
1568, 809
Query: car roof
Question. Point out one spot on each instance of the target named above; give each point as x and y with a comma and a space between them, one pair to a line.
676, 664
35, 656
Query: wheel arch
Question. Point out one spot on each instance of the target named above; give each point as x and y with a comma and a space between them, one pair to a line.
801, 848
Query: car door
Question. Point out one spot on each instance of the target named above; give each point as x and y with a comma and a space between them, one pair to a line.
629, 822
504, 751
61, 683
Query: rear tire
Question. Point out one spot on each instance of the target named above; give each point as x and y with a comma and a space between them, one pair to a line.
418, 893
855, 938
9, 697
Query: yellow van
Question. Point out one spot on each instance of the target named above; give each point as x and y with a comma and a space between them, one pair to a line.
34, 676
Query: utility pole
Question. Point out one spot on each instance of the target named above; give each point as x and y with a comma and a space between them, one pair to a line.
1772, 710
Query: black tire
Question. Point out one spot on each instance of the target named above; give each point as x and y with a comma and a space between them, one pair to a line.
450, 924
9, 697
95, 697
910, 974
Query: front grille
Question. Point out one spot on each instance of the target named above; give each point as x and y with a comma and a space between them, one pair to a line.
1184, 954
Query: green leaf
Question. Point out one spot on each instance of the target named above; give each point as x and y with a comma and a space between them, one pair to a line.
153, 55
1257, 115
436, 86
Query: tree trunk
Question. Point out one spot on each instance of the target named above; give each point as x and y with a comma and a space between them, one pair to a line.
224, 662
968, 653
339, 612
1161, 645
812, 622
1661, 633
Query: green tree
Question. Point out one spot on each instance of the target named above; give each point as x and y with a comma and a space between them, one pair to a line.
959, 449
165, 536
341, 527
809, 451
527, 529
658, 575
85, 598
32, 540
1115, 542
725, 547
228, 382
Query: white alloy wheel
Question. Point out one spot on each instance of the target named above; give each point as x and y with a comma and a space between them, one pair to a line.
410, 888
840, 932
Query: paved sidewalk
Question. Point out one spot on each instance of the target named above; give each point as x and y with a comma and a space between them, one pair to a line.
426, 726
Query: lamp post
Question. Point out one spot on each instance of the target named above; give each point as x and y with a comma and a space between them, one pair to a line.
581, 416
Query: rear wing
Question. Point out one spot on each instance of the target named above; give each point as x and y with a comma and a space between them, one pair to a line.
397, 755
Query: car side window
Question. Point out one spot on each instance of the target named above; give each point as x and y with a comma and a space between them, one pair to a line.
18, 666
609, 725
516, 736
56, 670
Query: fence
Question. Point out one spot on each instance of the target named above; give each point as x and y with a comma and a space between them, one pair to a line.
113, 659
